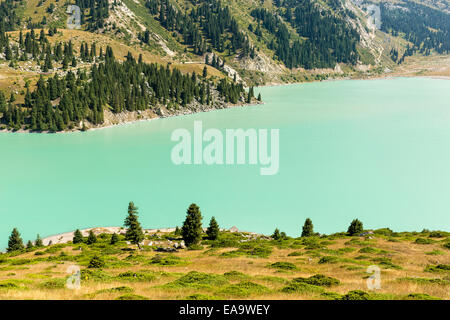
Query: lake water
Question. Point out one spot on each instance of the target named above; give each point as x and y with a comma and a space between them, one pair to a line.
377, 150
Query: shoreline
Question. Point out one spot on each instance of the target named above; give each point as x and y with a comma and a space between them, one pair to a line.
226, 106
144, 119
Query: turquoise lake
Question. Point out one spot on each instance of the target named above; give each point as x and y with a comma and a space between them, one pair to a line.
377, 150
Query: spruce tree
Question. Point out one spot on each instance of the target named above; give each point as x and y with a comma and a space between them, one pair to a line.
134, 232
114, 238
77, 237
192, 226
15, 241
213, 229
30, 244
38, 242
91, 238
308, 228
276, 234
356, 227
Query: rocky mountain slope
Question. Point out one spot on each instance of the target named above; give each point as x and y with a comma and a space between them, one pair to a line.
253, 42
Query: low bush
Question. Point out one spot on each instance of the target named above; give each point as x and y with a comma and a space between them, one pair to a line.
57, 283
420, 296
438, 268
423, 241
199, 280
328, 259
303, 288
357, 295
136, 276
283, 266
318, 280
96, 262
131, 296
243, 289
166, 260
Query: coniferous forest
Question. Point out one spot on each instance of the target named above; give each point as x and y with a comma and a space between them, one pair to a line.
327, 38
208, 25
63, 102
430, 30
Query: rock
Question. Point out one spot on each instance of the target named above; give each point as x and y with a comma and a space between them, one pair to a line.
234, 229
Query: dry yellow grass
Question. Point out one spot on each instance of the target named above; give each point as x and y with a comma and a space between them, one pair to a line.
411, 257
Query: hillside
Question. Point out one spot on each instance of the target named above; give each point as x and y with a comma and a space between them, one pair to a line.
253, 42
247, 266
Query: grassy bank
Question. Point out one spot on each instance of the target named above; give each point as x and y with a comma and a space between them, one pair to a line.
236, 266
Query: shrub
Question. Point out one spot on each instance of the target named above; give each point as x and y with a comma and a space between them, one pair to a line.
199, 296
58, 283
131, 296
328, 259
199, 280
331, 295
244, 289
318, 280
95, 274
423, 241
8, 285
356, 295
438, 268
384, 231
96, 262
224, 243
169, 260
283, 266
438, 234
300, 287
235, 275
116, 289
420, 296
136, 276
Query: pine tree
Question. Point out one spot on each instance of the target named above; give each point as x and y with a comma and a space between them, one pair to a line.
205, 72
192, 226
77, 237
96, 262
356, 227
177, 231
276, 234
134, 232
308, 228
15, 241
29, 244
213, 229
91, 238
38, 242
114, 238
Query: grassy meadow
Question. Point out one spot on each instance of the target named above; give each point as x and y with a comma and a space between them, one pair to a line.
235, 266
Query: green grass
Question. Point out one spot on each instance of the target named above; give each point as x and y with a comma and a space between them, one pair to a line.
243, 289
